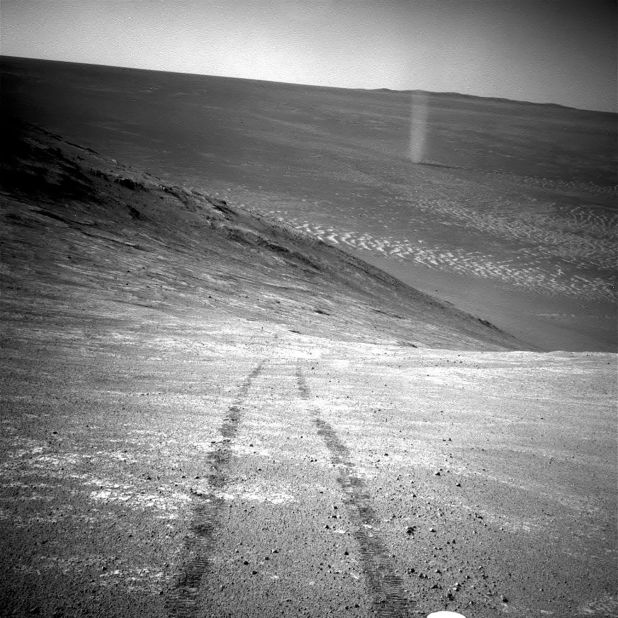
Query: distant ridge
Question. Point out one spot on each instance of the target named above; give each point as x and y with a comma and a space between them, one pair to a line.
460, 95
452, 94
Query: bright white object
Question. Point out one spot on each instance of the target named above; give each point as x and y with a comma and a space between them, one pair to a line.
446, 615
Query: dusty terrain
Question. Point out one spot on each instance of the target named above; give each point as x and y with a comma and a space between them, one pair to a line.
205, 414
509, 212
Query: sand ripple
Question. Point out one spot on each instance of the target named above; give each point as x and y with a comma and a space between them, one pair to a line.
551, 267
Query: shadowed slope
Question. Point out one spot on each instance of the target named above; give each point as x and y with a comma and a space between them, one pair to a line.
84, 236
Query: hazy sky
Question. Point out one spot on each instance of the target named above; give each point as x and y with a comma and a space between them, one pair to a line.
561, 51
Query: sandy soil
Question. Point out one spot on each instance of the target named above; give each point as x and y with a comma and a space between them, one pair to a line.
205, 415
238, 469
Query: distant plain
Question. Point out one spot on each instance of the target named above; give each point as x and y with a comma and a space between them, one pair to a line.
509, 213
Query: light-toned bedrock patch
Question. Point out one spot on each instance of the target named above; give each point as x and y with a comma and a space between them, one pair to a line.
65, 565
502, 521
121, 456
39, 458
527, 270
259, 490
134, 579
37, 461
606, 606
130, 578
253, 448
166, 502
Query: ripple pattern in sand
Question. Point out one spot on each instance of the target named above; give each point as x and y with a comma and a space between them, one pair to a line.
579, 235
527, 268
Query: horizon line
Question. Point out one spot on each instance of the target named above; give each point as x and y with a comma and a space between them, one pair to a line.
362, 89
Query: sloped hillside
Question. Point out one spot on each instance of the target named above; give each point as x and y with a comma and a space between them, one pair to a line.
85, 238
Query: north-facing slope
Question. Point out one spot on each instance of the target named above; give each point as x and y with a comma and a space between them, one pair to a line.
85, 238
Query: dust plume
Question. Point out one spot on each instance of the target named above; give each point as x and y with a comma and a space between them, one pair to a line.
418, 126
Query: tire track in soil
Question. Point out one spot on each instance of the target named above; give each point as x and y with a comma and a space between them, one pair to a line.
384, 585
182, 599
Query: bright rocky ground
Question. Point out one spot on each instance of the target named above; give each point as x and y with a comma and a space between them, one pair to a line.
206, 414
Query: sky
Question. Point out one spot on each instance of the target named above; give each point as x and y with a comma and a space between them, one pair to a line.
547, 51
